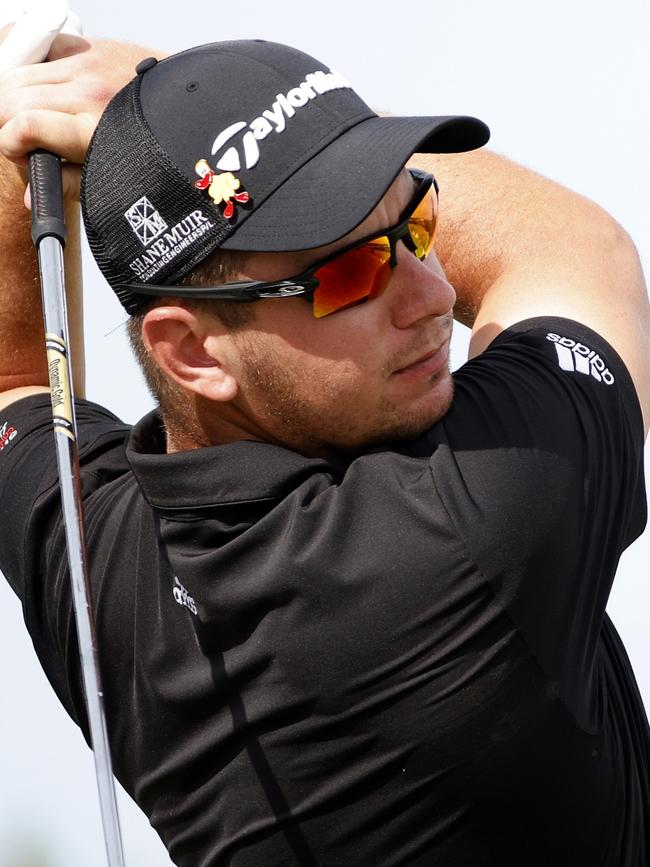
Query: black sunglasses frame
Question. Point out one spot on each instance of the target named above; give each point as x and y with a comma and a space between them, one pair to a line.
302, 285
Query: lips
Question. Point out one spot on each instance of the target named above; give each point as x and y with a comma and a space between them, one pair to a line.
420, 360
428, 364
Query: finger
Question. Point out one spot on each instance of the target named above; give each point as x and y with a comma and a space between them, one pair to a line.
65, 89
56, 71
71, 176
15, 101
76, 58
84, 81
65, 62
63, 134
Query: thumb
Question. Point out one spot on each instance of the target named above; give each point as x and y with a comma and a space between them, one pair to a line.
65, 134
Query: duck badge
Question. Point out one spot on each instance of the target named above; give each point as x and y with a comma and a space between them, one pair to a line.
222, 188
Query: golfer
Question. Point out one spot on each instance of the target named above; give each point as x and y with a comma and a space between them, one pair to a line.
350, 607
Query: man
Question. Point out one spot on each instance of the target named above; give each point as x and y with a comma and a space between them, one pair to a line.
350, 608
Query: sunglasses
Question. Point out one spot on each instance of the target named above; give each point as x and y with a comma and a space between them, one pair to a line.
354, 274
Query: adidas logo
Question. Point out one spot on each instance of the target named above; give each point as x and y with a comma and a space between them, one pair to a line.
183, 597
578, 358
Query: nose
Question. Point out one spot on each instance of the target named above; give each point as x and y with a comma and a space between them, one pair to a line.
417, 289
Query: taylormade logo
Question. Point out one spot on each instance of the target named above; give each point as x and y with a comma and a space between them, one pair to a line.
576, 357
273, 119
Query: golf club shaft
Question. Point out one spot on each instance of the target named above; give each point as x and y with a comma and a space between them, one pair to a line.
48, 232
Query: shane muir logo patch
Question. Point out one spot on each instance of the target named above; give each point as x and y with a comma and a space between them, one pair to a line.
145, 221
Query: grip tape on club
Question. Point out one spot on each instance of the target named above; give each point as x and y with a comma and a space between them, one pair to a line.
59, 373
47, 197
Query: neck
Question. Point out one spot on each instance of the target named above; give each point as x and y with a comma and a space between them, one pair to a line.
205, 423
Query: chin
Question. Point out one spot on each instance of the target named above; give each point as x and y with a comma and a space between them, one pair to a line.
420, 418
411, 423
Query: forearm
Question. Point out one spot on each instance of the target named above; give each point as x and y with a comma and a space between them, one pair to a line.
516, 245
54, 106
499, 218
22, 361
472, 250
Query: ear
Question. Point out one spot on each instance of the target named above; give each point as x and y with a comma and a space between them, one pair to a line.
177, 339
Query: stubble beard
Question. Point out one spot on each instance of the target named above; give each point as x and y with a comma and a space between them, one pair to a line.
332, 422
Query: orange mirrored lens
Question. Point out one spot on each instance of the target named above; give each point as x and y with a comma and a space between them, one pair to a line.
364, 271
358, 274
422, 225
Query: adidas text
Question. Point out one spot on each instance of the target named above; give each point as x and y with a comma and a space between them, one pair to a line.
578, 358
183, 597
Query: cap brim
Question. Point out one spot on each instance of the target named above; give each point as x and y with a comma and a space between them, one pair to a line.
336, 190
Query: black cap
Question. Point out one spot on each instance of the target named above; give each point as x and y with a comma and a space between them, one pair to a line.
245, 145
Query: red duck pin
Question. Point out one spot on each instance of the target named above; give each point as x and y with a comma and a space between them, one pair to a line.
221, 188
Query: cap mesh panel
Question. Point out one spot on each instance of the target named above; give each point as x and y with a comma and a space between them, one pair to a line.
114, 181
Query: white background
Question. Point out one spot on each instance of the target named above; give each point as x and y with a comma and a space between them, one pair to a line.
564, 88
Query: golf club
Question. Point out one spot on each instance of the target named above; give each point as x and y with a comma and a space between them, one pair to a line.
29, 42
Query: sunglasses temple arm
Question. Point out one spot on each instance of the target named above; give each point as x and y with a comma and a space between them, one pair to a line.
243, 291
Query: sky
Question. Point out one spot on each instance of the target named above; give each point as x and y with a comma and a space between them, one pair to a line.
563, 86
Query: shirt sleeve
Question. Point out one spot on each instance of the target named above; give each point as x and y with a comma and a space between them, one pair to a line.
540, 466
32, 543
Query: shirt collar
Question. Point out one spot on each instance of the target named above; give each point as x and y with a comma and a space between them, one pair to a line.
238, 472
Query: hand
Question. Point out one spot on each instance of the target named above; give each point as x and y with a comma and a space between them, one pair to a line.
56, 105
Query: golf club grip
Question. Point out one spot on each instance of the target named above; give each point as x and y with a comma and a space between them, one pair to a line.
47, 197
